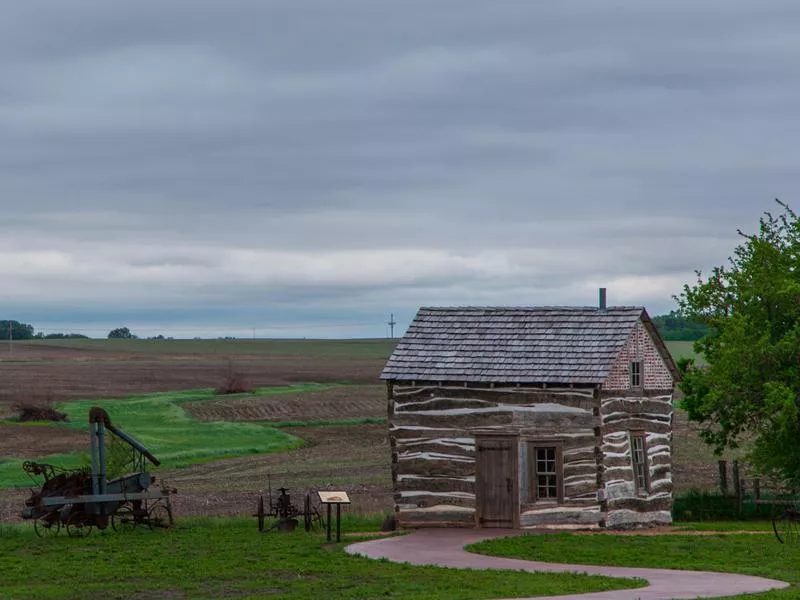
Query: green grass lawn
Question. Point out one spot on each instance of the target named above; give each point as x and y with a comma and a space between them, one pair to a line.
228, 558
750, 554
160, 423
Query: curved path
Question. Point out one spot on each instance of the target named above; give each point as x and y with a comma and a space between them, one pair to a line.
445, 547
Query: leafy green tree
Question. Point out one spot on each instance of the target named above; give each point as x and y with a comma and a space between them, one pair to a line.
18, 331
675, 326
751, 386
121, 333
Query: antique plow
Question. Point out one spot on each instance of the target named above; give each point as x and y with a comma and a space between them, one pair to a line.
79, 499
283, 515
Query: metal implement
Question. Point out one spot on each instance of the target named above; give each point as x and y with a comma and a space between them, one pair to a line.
786, 525
283, 515
79, 499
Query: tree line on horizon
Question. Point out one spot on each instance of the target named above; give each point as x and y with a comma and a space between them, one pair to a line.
672, 326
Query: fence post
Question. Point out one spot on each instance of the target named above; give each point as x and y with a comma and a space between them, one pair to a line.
757, 489
723, 477
737, 487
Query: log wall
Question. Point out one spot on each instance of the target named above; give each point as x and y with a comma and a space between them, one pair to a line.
432, 435
648, 412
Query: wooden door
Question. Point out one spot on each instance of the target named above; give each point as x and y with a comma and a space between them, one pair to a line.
497, 481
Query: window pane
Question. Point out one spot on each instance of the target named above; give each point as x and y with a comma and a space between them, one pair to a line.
639, 460
547, 477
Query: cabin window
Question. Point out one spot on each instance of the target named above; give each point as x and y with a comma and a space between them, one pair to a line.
639, 459
546, 469
636, 373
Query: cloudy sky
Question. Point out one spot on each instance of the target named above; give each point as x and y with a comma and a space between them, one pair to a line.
306, 167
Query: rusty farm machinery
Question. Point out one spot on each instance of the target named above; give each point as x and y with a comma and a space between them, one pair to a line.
78, 499
282, 514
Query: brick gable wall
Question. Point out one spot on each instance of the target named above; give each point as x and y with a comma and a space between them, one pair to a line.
640, 347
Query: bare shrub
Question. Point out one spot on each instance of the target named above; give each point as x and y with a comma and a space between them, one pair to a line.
37, 408
234, 383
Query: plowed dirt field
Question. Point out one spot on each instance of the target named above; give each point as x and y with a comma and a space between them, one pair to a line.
351, 457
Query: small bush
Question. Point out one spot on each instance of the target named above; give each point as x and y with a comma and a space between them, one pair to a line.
33, 408
234, 383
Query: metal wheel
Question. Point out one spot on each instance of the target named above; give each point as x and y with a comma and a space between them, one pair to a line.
307, 515
160, 517
47, 526
124, 520
77, 525
787, 527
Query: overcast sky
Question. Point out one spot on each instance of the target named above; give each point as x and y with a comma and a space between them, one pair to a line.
306, 167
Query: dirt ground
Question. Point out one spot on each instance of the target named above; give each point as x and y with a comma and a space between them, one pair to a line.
354, 458
326, 405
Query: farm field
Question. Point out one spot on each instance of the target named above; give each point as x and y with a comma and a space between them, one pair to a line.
323, 392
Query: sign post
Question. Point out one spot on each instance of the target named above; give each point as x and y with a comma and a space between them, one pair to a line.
330, 499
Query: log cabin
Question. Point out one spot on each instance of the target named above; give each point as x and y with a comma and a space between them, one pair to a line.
530, 417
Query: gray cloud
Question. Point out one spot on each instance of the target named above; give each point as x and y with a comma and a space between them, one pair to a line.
323, 163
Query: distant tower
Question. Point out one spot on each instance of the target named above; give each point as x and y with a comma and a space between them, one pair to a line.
391, 325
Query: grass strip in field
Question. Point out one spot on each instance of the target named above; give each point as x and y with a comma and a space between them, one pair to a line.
758, 555
160, 423
213, 558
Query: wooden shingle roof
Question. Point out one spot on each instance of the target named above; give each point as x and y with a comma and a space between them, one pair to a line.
564, 345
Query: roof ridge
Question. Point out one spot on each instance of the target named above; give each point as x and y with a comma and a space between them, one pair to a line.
545, 307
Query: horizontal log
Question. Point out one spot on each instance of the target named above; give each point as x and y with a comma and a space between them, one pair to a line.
636, 406
608, 419
572, 471
455, 449
512, 395
442, 515
619, 489
443, 404
435, 484
627, 425
612, 462
427, 500
455, 421
579, 454
661, 459
436, 468
631, 519
555, 422
640, 504
660, 471
566, 517
419, 432
582, 490
661, 486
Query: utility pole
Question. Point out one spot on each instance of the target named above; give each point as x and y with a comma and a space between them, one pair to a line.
391, 324
10, 337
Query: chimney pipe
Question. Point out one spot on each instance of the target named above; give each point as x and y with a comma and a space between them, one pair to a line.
602, 298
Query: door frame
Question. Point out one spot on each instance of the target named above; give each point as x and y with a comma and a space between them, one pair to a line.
514, 476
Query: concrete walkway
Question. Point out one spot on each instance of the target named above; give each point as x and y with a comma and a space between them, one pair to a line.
445, 547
